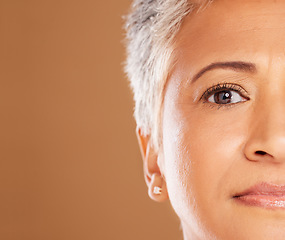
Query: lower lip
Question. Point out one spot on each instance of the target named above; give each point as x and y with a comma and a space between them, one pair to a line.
263, 201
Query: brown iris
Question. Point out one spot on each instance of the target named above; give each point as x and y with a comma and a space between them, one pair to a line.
223, 97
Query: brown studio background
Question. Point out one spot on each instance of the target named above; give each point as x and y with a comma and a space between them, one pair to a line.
70, 167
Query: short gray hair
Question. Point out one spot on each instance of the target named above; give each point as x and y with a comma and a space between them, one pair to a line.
151, 28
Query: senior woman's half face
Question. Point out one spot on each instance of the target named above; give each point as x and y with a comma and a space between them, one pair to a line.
223, 123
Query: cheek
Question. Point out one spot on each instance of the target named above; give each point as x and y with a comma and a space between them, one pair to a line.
201, 151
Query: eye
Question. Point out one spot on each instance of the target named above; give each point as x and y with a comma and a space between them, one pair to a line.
226, 97
225, 94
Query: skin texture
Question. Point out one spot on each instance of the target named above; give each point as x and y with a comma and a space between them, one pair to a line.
210, 151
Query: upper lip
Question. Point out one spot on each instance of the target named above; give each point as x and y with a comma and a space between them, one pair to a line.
263, 188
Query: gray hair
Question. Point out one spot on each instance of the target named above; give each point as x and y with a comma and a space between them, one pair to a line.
151, 28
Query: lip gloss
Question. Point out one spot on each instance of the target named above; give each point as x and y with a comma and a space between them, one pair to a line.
264, 195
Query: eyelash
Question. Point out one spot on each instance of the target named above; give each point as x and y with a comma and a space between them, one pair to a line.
221, 87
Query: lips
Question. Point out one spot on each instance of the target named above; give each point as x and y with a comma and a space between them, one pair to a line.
264, 195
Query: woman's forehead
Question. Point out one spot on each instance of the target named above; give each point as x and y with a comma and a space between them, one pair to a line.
232, 30
224, 16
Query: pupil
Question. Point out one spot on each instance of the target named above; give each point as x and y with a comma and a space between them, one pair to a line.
223, 97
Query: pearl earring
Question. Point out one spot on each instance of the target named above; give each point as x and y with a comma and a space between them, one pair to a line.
157, 190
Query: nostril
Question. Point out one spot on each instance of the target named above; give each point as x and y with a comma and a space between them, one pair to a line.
260, 152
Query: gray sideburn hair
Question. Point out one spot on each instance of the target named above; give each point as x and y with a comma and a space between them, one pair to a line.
151, 27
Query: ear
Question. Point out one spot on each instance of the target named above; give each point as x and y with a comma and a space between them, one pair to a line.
156, 184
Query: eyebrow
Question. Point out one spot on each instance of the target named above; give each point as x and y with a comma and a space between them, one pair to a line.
236, 66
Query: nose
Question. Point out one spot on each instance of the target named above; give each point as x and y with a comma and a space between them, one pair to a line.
266, 139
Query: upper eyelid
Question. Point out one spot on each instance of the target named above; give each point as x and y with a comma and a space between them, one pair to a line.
224, 86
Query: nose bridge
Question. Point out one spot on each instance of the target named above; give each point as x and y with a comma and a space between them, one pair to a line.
267, 134
266, 129
273, 115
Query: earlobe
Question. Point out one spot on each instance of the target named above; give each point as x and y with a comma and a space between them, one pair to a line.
157, 189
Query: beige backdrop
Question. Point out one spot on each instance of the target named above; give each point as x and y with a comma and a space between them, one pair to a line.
70, 167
